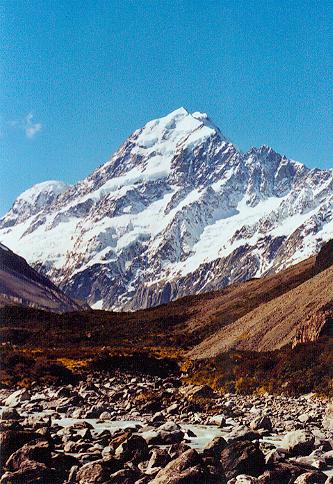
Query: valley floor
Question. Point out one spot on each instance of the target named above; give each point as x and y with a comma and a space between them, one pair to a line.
121, 427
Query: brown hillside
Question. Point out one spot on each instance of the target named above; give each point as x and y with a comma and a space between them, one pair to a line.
277, 322
184, 323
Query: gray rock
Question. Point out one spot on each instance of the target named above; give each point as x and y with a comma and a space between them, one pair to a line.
243, 457
264, 423
312, 477
16, 398
298, 442
9, 413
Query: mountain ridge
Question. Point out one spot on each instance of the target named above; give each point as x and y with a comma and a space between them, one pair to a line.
178, 209
20, 284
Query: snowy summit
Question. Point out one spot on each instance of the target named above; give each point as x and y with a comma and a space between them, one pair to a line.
177, 209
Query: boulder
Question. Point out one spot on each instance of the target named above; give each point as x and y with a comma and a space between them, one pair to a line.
9, 413
177, 449
93, 472
161, 437
16, 398
261, 422
187, 468
72, 475
158, 417
169, 427
133, 449
37, 450
218, 420
215, 447
328, 457
312, 477
282, 472
63, 463
304, 417
197, 391
125, 476
105, 416
244, 479
242, 457
159, 458
11, 440
298, 442
30, 472
243, 434
119, 438
328, 417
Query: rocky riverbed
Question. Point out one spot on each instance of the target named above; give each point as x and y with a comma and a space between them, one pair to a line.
123, 428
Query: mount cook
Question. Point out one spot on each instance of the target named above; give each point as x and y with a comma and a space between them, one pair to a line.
177, 210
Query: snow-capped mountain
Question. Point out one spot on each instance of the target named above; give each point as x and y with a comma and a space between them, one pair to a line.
178, 209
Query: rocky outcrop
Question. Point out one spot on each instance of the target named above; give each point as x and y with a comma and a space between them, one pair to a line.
316, 325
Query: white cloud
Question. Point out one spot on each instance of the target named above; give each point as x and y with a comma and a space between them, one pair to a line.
26, 124
31, 128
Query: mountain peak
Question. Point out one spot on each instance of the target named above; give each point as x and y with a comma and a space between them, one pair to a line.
34, 199
176, 210
46, 187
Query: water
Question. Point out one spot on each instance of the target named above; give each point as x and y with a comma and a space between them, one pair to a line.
203, 433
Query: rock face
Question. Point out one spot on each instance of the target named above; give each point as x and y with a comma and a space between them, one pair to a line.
176, 210
21, 284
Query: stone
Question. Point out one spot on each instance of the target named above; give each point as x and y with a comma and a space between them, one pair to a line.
304, 418
37, 450
244, 479
105, 416
12, 440
135, 449
298, 442
125, 476
282, 472
215, 447
218, 420
9, 413
30, 472
312, 477
328, 417
328, 457
161, 437
63, 463
197, 391
172, 409
259, 422
93, 472
169, 427
158, 417
72, 475
187, 468
242, 434
243, 457
177, 449
16, 398
158, 458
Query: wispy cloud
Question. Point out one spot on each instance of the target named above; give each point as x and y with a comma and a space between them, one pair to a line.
28, 125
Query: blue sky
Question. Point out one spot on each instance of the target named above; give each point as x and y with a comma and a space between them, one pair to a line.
78, 77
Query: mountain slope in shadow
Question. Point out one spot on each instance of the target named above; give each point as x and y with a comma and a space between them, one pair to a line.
20, 284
